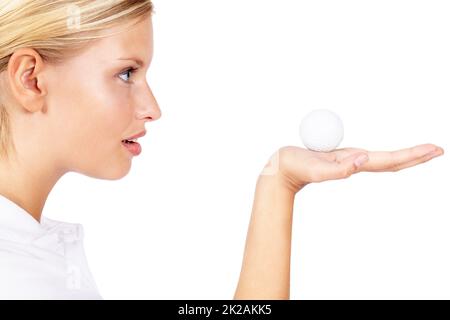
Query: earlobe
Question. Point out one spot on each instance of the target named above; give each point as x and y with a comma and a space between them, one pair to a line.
24, 71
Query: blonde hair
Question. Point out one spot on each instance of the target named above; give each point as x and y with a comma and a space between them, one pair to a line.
57, 29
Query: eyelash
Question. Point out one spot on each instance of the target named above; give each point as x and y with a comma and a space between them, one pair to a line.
130, 70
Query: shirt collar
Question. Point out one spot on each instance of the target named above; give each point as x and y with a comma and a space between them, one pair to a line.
18, 225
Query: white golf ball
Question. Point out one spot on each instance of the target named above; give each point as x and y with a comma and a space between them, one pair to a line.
321, 130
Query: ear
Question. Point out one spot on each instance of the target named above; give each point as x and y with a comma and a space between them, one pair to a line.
25, 75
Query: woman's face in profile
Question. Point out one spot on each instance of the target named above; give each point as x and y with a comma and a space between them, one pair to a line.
95, 102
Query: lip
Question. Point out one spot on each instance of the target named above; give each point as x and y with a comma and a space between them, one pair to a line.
134, 148
139, 135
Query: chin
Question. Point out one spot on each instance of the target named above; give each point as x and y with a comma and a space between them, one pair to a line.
113, 177
108, 173
115, 174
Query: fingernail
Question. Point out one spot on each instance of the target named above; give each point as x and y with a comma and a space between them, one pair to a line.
361, 160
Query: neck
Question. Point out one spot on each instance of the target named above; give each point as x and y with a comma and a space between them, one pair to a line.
28, 184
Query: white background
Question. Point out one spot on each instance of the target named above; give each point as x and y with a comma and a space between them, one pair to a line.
234, 79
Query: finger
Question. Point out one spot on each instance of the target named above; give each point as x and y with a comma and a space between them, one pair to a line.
339, 154
386, 161
425, 158
339, 170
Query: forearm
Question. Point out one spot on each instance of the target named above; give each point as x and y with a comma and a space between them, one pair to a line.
265, 272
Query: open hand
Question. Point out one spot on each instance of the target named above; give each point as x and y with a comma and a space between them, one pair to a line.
298, 167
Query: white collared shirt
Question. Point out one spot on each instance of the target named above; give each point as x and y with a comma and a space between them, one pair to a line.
43, 260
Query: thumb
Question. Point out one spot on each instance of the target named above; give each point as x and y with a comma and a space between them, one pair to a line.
351, 164
345, 168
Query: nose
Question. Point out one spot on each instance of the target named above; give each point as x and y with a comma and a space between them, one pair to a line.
150, 110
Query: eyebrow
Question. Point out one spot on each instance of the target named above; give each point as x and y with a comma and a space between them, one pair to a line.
137, 60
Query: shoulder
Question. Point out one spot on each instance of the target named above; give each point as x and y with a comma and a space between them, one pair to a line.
23, 274
29, 272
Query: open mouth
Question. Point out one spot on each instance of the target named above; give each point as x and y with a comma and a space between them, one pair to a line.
132, 146
130, 141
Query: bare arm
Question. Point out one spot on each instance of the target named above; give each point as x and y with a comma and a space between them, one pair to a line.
265, 272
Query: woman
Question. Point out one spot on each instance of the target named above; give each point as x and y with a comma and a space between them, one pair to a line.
73, 94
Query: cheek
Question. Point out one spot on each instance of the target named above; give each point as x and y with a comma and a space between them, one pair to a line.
95, 116
112, 111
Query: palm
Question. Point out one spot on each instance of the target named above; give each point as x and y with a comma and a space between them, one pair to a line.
301, 166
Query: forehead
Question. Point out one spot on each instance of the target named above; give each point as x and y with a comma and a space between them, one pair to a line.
124, 41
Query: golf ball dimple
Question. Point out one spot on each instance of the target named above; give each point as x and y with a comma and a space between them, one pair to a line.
321, 130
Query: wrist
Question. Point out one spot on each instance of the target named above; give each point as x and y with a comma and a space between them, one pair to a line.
274, 173
279, 183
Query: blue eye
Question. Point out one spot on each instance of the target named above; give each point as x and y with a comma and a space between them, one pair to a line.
126, 72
